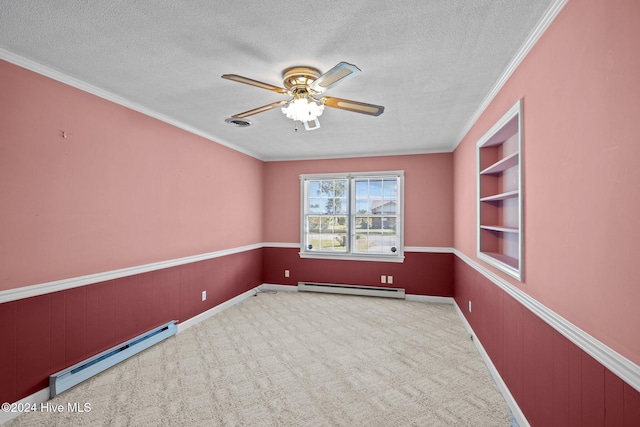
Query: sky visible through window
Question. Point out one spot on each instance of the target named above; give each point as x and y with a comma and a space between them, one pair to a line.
371, 194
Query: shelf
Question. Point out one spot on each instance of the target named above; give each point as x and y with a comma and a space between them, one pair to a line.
501, 196
500, 228
505, 259
502, 165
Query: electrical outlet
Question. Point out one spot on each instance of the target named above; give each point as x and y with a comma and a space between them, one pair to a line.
286, 273
390, 280
204, 295
469, 306
383, 279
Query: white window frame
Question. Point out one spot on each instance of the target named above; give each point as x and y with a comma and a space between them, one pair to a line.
398, 256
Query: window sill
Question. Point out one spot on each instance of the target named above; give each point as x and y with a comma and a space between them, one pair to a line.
352, 257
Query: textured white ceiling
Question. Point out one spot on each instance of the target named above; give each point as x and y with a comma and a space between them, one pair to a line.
431, 63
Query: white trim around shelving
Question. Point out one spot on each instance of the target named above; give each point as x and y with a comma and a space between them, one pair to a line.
624, 368
488, 140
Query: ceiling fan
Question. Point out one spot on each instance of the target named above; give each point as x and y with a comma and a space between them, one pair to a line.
305, 86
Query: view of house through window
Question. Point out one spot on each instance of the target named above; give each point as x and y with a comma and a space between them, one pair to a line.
352, 214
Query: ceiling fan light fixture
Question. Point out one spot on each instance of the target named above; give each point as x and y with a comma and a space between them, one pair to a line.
303, 109
303, 84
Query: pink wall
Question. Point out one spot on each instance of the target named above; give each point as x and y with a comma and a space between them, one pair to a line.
428, 195
581, 176
428, 222
124, 190
121, 190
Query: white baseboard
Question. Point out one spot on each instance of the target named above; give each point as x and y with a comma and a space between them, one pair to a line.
43, 395
34, 399
624, 368
508, 397
183, 326
426, 298
515, 409
408, 297
273, 287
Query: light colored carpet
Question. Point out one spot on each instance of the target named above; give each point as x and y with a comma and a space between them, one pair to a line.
298, 359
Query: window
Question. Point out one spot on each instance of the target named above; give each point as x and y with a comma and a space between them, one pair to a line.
352, 216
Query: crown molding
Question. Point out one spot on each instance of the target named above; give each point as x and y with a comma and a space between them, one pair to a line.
550, 15
59, 76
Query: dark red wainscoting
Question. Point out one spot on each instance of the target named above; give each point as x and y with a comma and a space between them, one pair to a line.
44, 334
554, 382
420, 274
8, 331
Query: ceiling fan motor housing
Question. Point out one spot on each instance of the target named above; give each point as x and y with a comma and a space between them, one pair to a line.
299, 77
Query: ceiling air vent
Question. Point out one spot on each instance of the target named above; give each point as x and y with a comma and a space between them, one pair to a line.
241, 123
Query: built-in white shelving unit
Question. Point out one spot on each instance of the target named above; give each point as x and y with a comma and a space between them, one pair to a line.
499, 194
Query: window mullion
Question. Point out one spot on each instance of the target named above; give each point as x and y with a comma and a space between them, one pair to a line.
351, 215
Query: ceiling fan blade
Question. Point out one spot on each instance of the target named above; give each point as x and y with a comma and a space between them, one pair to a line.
341, 72
256, 83
355, 106
259, 109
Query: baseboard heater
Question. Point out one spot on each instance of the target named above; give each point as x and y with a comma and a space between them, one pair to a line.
372, 291
73, 375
